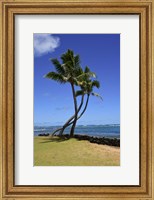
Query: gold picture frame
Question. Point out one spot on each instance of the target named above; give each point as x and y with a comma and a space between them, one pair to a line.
145, 10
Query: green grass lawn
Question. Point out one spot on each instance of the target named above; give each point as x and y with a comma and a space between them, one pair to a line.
57, 152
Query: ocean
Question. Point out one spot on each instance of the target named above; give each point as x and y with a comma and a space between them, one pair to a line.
108, 130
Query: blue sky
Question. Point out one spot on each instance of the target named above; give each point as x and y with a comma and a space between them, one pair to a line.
53, 102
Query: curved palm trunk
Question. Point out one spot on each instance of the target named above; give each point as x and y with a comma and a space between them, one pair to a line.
68, 123
84, 107
76, 114
56, 131
78, 117
82, 111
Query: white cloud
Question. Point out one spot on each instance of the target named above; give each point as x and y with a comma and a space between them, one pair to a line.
45, 43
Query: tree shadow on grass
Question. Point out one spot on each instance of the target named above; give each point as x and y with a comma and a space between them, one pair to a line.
54, 139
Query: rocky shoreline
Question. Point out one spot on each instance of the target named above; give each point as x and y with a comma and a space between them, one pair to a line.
98, 140
93, 139
43, 134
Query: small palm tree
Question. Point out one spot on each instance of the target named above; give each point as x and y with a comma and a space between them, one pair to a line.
83, 92
87, 86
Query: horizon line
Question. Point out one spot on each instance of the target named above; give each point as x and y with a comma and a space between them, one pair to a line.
77, 125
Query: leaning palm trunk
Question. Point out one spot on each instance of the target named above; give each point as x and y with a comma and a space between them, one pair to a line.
76, 113
84, 107
81, 113
73, 126
70, 122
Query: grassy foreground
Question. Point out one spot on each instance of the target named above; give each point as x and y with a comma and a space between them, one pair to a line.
57, 152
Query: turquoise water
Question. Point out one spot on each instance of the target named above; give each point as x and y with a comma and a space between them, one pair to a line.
110, 131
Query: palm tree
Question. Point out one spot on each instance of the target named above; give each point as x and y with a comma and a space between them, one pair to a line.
86, 85
90, 92
70, 71
67, 73
88, 89
83, 80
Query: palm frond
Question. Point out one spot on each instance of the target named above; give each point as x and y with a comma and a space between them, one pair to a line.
67, 78
79, 93
82, 76
67, 56
70, 52
77, 82
56, 77
77, 61
97, 95
86, 76
95, 83
92, 74
86, 70
59, 68
78, 71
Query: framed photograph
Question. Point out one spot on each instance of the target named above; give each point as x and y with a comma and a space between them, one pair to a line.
76, 99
